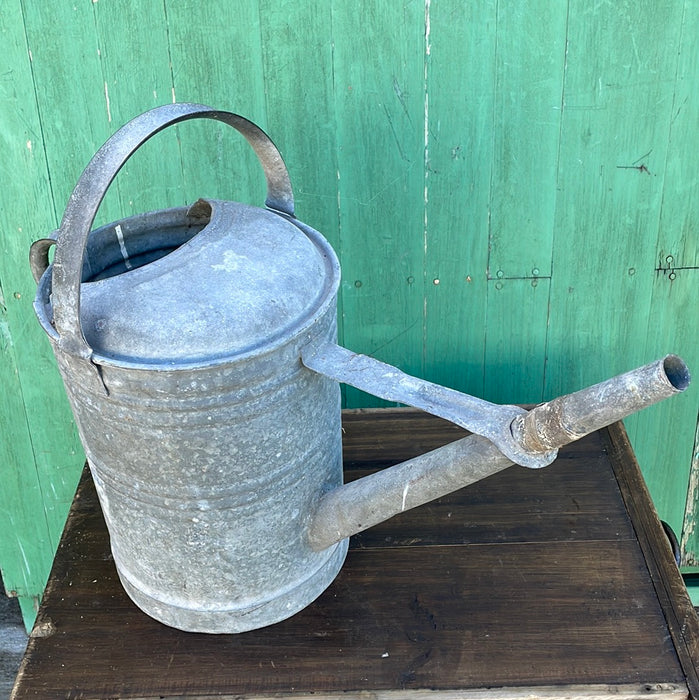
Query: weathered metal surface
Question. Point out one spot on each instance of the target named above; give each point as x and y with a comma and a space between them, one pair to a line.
570, 417
197, 346
476, 415
193, 464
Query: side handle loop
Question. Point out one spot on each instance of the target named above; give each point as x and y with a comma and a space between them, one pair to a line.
39, 256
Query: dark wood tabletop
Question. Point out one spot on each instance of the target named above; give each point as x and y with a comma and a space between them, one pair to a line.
556, 582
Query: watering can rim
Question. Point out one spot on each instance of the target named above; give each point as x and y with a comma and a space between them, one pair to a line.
91, 188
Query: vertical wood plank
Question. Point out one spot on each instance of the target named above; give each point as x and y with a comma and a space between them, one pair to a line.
70, 93
665, 459
457, 190
135, 63
297, 46
669, 461
616, 108
41, 457
25, 545
678, 241
380, 104
515, 345
530, 62
28, 205
217, 60
297, 53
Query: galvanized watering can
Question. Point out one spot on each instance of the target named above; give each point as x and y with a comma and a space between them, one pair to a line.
197, 346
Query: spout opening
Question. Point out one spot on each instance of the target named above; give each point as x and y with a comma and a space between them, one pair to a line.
676, 372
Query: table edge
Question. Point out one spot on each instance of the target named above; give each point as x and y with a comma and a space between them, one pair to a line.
628, 691
680, 615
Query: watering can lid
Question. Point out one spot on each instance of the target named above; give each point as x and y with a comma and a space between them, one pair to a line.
249, 279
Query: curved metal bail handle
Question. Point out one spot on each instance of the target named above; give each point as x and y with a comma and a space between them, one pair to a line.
87, 196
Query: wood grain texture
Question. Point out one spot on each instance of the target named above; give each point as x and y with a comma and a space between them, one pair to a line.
606, 211
300, 64
379, 108
66, 68
557, 603
531, 40
668, 463
216, 58
131, 35
653, 431
622, 691
677, 241
40, 457
680, 615
516, 339
459, 147
26, 535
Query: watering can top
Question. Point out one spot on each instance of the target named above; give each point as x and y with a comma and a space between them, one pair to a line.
246, 280
188, 285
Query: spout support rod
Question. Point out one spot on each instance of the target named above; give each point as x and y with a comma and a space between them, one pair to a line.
370, 500
469, 412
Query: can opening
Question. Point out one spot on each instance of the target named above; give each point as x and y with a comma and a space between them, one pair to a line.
132, 243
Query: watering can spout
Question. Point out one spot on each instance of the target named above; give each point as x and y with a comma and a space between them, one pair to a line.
360, 504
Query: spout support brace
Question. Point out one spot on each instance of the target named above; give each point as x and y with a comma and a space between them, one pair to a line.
473, 414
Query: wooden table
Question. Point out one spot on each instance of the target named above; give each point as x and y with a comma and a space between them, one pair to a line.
550, 583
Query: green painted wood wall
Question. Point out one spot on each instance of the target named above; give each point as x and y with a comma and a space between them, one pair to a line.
512, 188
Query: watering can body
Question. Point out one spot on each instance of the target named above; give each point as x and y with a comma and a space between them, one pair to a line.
208, 440
198, 350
